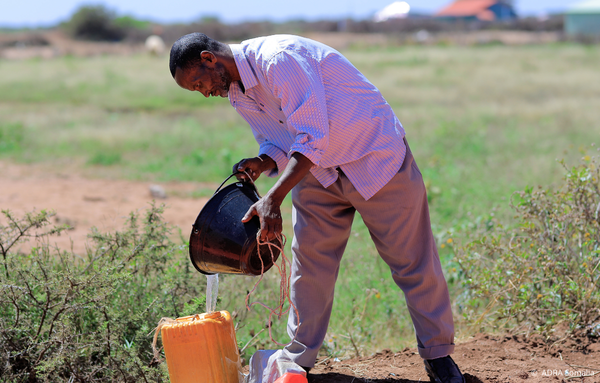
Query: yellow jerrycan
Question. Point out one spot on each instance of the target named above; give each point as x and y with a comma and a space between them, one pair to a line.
202, 348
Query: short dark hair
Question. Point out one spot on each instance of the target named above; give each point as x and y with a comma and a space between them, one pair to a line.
186, 50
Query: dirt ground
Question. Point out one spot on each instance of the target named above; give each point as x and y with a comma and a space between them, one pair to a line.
482, 358
83, 202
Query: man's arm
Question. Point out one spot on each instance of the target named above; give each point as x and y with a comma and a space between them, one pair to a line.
268, 207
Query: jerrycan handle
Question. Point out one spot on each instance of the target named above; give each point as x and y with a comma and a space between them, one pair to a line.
236, 173
197, 317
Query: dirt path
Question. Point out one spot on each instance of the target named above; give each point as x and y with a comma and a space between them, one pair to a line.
482, 358
83, 203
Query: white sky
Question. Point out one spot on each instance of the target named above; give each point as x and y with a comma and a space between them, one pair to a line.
33, 13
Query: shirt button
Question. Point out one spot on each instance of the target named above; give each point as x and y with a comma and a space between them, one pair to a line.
261, 104
281, 122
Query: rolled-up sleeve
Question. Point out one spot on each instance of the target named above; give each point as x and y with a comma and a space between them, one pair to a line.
276, 154
296, 81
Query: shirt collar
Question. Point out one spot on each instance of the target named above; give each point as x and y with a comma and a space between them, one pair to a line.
241, 61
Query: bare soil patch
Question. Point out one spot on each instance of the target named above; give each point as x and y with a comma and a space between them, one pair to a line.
482, 358
55, 43
82, 202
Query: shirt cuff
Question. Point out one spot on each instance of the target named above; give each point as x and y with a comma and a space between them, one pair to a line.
277, 155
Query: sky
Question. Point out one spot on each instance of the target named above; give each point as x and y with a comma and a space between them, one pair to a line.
39, 13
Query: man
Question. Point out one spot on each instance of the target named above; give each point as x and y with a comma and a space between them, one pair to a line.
337, 145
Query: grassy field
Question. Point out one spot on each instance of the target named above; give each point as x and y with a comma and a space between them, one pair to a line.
482, 123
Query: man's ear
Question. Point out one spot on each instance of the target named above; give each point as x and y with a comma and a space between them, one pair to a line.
208, 58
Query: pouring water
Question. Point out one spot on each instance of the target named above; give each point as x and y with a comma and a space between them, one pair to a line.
212, 291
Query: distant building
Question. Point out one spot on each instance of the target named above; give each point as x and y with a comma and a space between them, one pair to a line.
396, 10
583, 19
483, 10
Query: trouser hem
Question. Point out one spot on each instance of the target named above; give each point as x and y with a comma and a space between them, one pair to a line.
304, 359
436, 351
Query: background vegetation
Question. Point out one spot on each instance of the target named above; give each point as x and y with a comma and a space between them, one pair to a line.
483, 122
88, 318
543, 272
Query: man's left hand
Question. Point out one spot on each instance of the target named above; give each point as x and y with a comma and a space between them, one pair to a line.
269, 213
268, 208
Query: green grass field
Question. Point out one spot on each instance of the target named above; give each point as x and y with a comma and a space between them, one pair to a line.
482, 123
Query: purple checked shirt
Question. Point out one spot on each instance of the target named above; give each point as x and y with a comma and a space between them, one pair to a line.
303, 96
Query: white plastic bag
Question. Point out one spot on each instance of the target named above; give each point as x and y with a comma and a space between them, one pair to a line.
266, 366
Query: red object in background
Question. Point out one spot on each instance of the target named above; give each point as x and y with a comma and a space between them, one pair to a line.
465, 8
292, 378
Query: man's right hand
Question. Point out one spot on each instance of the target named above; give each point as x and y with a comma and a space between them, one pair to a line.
253, 167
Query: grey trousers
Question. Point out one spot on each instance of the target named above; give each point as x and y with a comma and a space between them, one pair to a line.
398, 220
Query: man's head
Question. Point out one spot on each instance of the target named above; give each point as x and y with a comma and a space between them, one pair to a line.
199, 63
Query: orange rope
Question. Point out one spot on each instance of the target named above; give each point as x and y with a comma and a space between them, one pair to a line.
284, 286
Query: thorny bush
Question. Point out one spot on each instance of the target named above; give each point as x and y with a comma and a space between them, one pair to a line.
67, 318
544, 271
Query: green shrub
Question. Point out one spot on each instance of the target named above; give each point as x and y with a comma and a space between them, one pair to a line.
95, 22
546, 270
89, 319
129, 22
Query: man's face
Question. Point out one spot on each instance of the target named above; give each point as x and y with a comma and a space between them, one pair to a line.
210, 80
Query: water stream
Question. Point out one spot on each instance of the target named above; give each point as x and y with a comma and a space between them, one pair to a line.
212, 291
